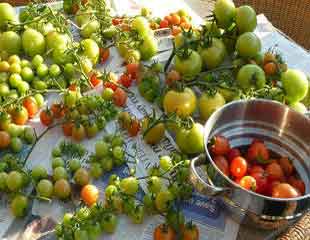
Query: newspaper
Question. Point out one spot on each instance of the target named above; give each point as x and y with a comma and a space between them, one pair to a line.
206, 212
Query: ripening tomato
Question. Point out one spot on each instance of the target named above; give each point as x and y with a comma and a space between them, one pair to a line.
125, 80
190, 232
298, 184
154, 134
274, 172
19, 115
164, 232
67, 128
222, 163
248, 182
172, 77
220, 145
78, 132
46, 117
134, 127
57, 110
90, 194
31, 105
164, 24
258, 152
284, 190
5, 139
238, 167
133, 69
261, 182
119, 97
94, 80
256, 168
104, 54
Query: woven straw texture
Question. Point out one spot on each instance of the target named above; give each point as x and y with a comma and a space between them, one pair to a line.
291, 16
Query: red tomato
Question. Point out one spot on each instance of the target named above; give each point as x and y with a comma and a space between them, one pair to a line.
5, 139
164, 232
172, 77
134, 128
116, 21
274, 172
125, 80
222, 163
57, 110
119, 97
111, 85
248, 182
94, 80
257, 152
256, 168
72, 87
234, 152
284, 190
286, 166
261, 182
31, 105
133, 69
168, 18
298, 184
46, 117
238, 167
163, 24
175, 19
220, 145
67, 128
104, 54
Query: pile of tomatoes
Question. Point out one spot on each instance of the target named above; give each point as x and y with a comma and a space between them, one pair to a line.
256, 169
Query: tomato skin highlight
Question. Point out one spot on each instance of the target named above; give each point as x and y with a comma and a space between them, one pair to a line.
238, 167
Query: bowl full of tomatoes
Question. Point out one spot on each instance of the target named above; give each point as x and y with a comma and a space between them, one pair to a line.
258, 160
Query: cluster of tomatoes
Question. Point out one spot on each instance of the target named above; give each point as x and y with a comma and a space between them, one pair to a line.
256, 169
189, 231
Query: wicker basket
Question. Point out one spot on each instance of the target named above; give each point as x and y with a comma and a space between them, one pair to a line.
290, 16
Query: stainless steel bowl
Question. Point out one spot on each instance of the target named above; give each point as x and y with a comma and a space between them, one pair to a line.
284, 131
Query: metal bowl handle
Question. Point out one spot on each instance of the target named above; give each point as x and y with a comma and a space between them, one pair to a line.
205, 187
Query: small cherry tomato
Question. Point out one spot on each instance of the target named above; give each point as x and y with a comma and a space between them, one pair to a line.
269, 57
168, 18
172, 77
258, 152
119, 97
163, 24
94, 80
104, 54
111, 85
19, 115
234, 152
238, 167
124, 120
133, 69
78, 132
57, 110
286, 166
46, 117
270, 186
67, 128
248, 182
5, 139
90, 194
284, 190
116, 21
176, 30
190, 232
125, 80
222, 163
72, 87
270, 68
274, 172
220, 145
261, 182
31, 105
298, 184
164, 232
175, 19
134, 127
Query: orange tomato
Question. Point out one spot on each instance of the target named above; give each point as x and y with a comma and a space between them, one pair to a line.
191, 232
185, 25
72, 87
78, 132
172, 76
286, 166
134, 127
274, 172
46, 117
90, 194
133, 69
104, 54
284, 190
94, 80
248, 182
168, 18
164, 24
269, 57
119, 97
20, 115
183, 19
270, 68
164, 232
175, 19
176, 30
67, 128
5, 139
31, 105
57, 110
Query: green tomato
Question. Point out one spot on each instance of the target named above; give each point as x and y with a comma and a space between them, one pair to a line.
38, 173
107, 164
29, 135
132, 56
107, 94
214, 55
81, 177
295, 84
4, 89
90, 50
109, 32
45, 28
59, 173
19, 205
141, 25
129, 185
10, 42
3, 177
42, 70
83, 16
101, 149
213, 28
23, 87
27, 74
13, 94
70, 98
189, 67
163, 200
154, 184
118, 152
89, 28
91, 129
62, 189
96, 170
299, 107
87, 65
7, 13
4, 76
209, 104
251, 75
61, 57
15, 130
225, 13
109, 223
39, 99
137, 215
25, 63
191, 141
14, 181
248, 45
57, 162
57, 40
37, 60
39, 85
54, 70
15, 68
33, 42
148, 48
16, 145
45, 188
246, 19
110, 191
74, 165
165, 163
